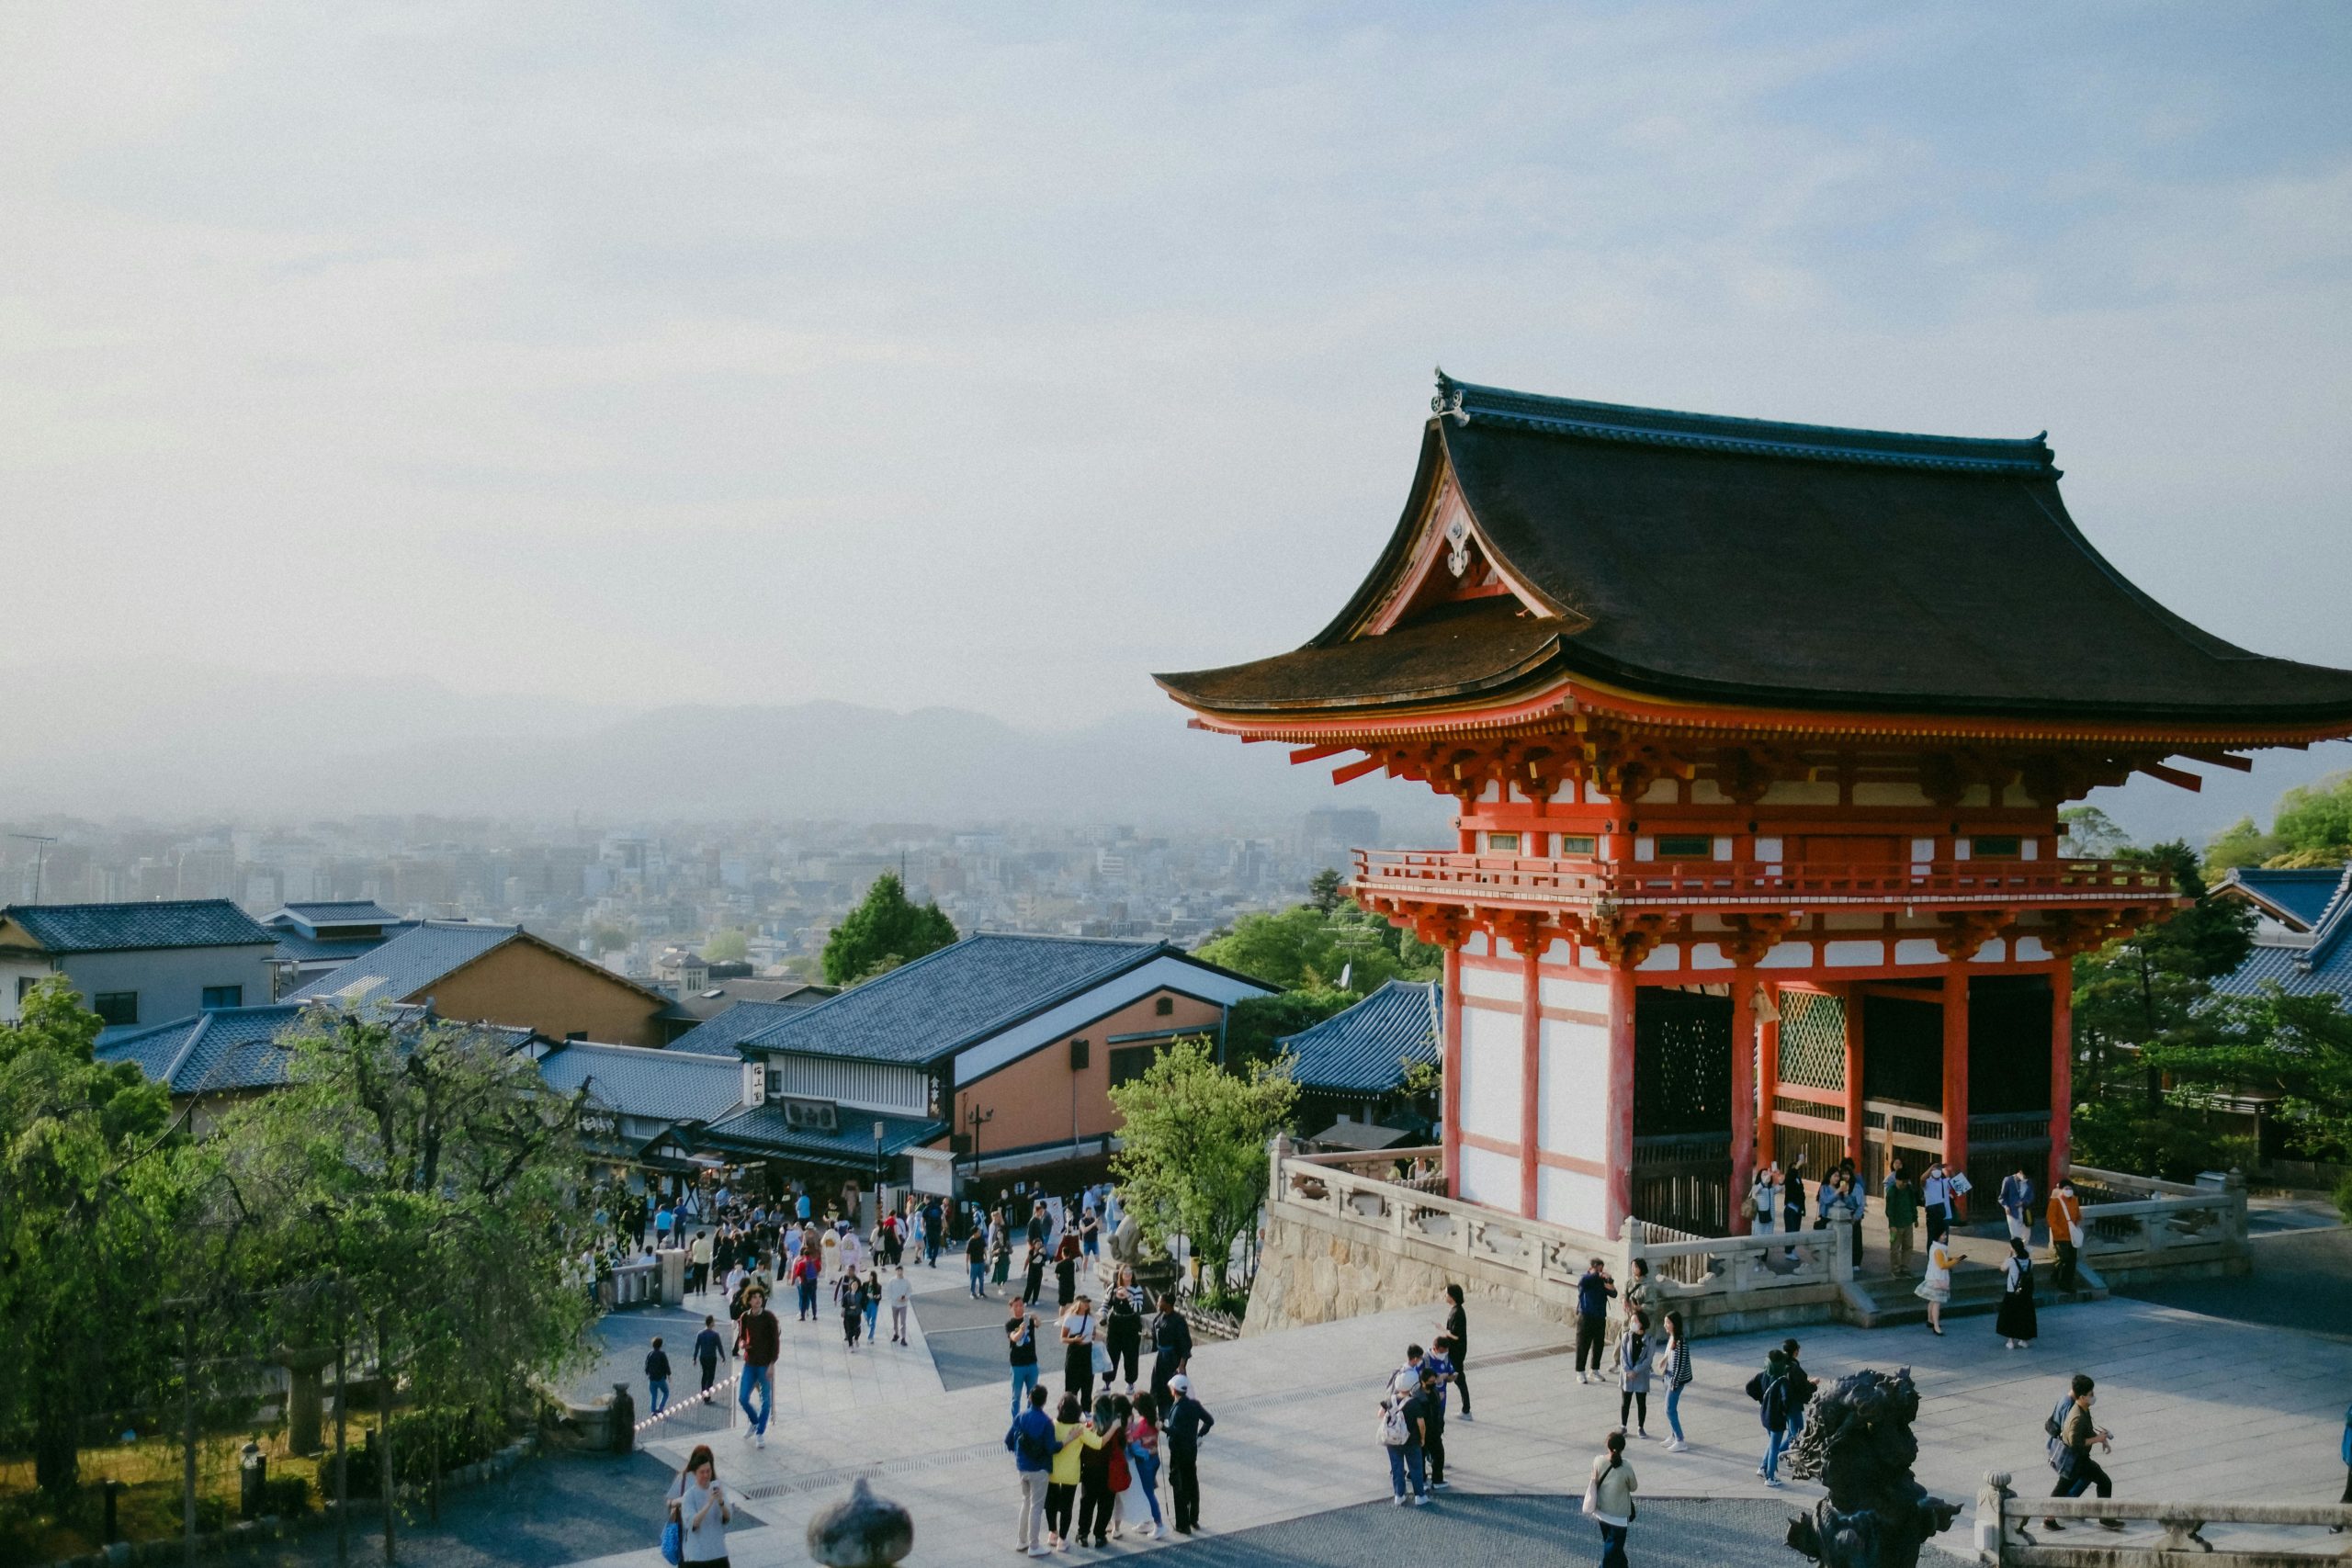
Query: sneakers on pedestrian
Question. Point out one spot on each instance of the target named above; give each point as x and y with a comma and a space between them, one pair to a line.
1677, 1446
760, 1440
1399, 1500
1773, 1482
2052, 1525
1441, 1486
2110, 1524
1421, 1502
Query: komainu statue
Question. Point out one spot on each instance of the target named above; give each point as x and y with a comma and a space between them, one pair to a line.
1857, 1441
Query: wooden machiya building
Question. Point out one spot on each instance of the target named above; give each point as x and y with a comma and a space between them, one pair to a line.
1759, 733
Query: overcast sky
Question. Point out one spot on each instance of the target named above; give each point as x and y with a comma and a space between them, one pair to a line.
997, 356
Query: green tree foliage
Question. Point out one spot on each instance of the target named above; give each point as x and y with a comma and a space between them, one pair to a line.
885, 930
604, 936
1303, 947
1324, 891
2312, 826
2149, 990
1194, 1162
433, 1172
92, 1191
727, 947
2091, 834
2173, 1142
2299, 1048
1254, 1024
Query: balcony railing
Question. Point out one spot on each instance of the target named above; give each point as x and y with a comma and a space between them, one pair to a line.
1716, 884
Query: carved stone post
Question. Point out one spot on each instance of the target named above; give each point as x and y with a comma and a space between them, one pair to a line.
1993, 1525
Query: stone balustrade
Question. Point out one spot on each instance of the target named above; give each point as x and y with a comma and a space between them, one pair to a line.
2271, 1535
2137, 1225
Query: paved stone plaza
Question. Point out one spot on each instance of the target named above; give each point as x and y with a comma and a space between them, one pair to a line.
2200, 1406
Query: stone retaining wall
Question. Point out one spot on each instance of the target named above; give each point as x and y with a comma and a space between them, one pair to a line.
1309, 1273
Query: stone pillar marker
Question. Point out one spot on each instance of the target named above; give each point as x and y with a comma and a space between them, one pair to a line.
304, 1390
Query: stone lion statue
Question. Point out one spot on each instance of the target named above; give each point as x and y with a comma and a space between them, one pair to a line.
1857, 1441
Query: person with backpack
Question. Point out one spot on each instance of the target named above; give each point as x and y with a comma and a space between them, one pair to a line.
1769, 1389
1609, 1500
1439, 1364
1594, 1289
709, 1347
1674, 1365
699, 1505
1033, 1446
1403, 1437
2070, 1448
2016, 1322
1800, 1389
1633, 1352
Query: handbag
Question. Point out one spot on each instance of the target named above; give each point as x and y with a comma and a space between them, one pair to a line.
673, 1543
1102, 1360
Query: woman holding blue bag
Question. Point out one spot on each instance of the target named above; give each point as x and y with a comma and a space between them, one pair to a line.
695, 1535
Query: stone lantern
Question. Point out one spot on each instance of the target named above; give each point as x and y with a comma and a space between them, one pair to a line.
861, 1532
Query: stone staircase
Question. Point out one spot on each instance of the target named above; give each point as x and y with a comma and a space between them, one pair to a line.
1885, 1301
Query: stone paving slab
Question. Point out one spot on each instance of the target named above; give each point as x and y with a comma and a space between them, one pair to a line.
2199, 1406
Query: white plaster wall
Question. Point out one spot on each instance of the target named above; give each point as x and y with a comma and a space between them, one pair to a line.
1918, 950
1788, 955
1854, 953
1490, 1178
1559, 991
1500, 985
1571, 1197
1490, 1072
1572, 1117
2030, 950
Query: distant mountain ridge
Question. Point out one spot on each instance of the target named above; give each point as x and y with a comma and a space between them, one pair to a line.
400, 747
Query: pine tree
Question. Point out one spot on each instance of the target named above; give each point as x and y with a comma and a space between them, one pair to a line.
883, 931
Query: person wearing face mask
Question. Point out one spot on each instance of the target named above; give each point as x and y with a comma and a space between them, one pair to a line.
2070, 1449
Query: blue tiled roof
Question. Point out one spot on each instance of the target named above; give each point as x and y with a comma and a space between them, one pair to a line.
230, 1048
408, 964
2303, 894
636, 1081
761, 1130
1364, 1049
947, 1000
2320, 965
118, 928
719, 1037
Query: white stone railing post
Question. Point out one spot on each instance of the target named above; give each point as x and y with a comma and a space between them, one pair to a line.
1841, 1248
1994, 1525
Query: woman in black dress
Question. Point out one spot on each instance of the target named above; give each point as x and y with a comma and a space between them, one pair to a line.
2017, 1322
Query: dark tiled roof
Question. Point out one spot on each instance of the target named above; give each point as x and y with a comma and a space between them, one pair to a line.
116, 927
947, 1000
638, 1081
760, 1131
233, 1048
293, 947
339, 912
408, 964
719, 997
2303, 894
721, 1034
1790, 566
1364, 1049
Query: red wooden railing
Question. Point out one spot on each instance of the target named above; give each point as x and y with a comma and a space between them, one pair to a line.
1433, 873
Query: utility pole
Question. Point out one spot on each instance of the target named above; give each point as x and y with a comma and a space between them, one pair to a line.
40, 856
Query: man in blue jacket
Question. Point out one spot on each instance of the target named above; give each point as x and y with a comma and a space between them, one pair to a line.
1031, 1440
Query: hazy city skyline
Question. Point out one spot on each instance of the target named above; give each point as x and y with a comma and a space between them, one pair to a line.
628, 357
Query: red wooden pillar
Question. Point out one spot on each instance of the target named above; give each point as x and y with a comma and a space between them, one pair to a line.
1956, 1074
1617, 1156
1767, 1081
1531, 1065
1854, 1075
1742, 1086
1450, 1119
2062, 1069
